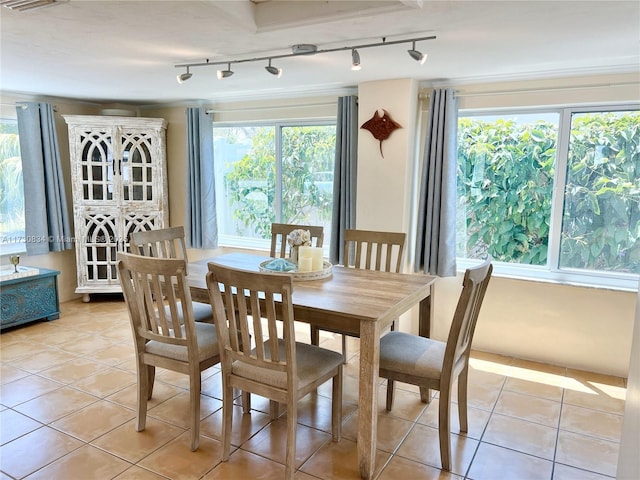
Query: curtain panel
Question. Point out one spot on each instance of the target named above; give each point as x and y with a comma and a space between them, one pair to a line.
47, 229
345, 175
202, 225
436, 233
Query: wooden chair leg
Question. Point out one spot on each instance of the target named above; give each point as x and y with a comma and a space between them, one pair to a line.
336, 407
142, 396
462, 399
151, 374
344, 349
227, 418
444, 427
194, 405
274, 409
389, 394
246, 402
292, 422
315, 335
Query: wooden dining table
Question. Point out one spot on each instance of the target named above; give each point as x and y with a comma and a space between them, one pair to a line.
358, 302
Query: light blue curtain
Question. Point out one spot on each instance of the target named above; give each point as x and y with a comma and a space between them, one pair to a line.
436, 233
202, 225
47, 224
345, 175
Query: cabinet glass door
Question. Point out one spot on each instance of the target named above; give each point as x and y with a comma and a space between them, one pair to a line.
138, 168
97, 165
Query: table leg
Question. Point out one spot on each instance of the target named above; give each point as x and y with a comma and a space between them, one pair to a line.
424, 330
368, 397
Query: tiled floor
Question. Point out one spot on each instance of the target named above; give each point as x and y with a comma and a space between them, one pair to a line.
67, 400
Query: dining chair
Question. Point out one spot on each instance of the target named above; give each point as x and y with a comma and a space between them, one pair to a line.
277, 367
370, 250
168, 243
436, 365
279, 232
165, 337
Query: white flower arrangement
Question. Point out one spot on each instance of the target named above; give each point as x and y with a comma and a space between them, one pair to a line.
299, 237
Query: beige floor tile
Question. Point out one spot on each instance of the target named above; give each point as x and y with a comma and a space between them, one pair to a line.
595, 423
25, 389
402, 468
589, 453
406, 405
479, 395
492, 463
564, 472
596, 399
34, 450
246, 465
520, 435
423, 445
526, 407
243, 426
176, 460
271, 442
58, 336
72, 371
54, 405
128, 396
44, 358
543, 386
86, 463
86, 345
138, 473
477, 419
176, 409
315, 411
14, 425
115, 354
9, 373
10, 352
94, 420
133, 446
391, 431
339, 461
105, 382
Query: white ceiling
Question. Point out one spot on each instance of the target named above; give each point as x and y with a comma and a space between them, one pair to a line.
125, 52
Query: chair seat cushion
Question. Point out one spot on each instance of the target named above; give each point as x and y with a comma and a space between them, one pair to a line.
201, 312
411, 355
312, 362
207, 345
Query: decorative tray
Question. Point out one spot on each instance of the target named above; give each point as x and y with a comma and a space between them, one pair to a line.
300, 276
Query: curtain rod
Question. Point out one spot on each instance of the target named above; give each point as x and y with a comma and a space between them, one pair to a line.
16, 105
276, 107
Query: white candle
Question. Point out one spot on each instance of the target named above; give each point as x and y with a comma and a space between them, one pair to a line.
305, 264
304, 251
316, 255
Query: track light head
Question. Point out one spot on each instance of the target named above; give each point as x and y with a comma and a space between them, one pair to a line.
417, 55
355, 60
183, 77
225, 73
273, 70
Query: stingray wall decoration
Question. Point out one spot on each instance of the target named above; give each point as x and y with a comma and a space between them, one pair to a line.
381, 126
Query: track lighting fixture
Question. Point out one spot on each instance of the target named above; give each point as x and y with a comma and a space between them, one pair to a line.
355, 60
305, 49
183, 77
225, 73
417, 55
273, 70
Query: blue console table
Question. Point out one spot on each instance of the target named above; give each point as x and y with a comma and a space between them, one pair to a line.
31, 294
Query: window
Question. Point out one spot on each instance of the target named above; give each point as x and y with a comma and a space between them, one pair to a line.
552, 194
272, 173
11, 189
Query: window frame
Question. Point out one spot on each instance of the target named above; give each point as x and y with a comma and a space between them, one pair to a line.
258, 243
551, 272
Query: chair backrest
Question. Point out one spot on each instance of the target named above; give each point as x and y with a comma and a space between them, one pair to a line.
371, 250
244, 304
474, 286
279, 232
160, 243
158, 298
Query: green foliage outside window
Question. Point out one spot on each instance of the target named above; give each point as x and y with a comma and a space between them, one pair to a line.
11, 185
505, 190
308, 154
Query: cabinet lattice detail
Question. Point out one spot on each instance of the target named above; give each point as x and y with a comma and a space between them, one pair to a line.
119, 180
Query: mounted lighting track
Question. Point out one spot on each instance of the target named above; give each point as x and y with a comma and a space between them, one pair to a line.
24, 5
305, 49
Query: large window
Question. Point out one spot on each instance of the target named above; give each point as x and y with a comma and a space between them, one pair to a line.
11, 189
552, 194
272, 173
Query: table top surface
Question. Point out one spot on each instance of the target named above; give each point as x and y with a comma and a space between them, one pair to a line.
354, 293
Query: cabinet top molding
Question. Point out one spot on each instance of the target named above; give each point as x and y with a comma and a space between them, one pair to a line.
101, 120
